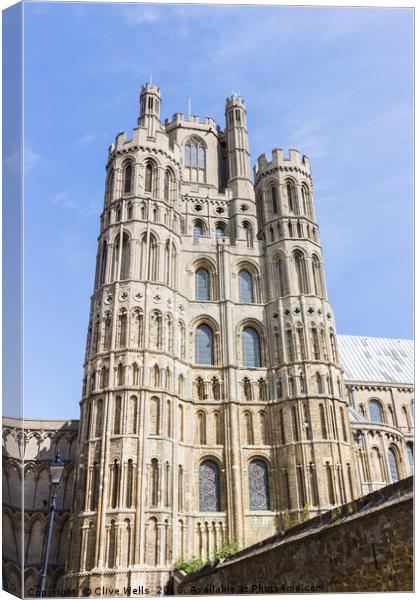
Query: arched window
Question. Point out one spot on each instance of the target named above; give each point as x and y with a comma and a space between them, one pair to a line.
246, 292
168, 185
148, 182
209, 483
154, 476
204, 351
281, 265
195, 160
306, 201
323, 422
202, 284
393, 465
300, 268
248, 234
110, 186
154, 422
319, 386
95, 487
128, 178
217, 424
251, 353
99, 417
220, 231
291, 197
129, 484
103, 263
375, 411
125, 257
197, 232
201, 428
112, 534
317, 276
259, 496
248, 428
274, 199
115, 480
117, 416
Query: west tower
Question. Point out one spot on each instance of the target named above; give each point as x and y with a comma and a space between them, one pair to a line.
210, 351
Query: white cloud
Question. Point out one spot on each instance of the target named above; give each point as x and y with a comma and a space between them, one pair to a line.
30, 159
135, 15
85, 139
66, 201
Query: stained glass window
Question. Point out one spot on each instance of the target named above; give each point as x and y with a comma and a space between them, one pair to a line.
202, 284
259, 496
251, 348
209, 487
392, 460
375, 411
245, 287
204, 354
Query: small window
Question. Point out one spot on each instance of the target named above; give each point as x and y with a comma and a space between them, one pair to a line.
274, 199
197, 232
148, 186
128, 176
202, 284
375, 411
246, 293
393, 466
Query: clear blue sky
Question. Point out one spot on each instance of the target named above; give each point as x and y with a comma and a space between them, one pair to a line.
335, 83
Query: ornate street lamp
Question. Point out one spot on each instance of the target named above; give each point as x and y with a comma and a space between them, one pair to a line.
56, 471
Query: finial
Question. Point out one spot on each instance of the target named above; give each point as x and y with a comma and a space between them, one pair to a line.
189, 106
151, 80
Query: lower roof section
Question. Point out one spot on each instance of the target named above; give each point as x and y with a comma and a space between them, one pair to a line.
376, 360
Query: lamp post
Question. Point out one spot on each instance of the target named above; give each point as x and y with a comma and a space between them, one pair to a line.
56, 471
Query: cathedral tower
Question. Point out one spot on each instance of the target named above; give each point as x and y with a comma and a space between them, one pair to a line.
212, 408
313, 451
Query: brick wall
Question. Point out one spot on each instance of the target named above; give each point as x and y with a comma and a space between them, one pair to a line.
366, 545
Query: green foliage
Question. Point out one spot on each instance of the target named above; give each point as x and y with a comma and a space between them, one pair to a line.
194, 564
337, 512
191, 565
306, 511
225, 551
286, 518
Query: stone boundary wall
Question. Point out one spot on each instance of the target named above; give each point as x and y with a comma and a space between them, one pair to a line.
366, 545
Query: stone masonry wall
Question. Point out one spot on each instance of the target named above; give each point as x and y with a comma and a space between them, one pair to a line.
364, 546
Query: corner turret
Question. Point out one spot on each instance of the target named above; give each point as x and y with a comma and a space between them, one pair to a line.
150, 108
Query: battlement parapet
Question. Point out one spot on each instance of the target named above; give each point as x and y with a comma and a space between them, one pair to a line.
180, 118
150, 88
279, 160
235, 100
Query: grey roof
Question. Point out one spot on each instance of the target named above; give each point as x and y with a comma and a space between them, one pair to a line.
378, 360
356, 417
